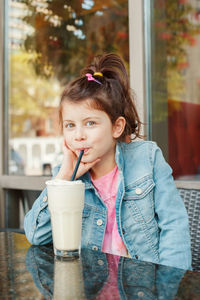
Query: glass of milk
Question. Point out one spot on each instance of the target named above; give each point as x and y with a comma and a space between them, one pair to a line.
66, 202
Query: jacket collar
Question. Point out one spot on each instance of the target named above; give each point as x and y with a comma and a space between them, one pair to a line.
119, 158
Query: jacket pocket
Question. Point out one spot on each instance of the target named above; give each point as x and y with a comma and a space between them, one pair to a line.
139, 199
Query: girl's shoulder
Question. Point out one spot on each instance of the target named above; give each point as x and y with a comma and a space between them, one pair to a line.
138, 145
139, 153
139, 161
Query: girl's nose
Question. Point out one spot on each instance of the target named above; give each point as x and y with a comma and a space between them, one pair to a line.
80, 134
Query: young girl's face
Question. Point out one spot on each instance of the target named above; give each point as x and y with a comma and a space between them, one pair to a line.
88, 129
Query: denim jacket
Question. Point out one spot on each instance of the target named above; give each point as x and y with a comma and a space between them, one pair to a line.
151, 218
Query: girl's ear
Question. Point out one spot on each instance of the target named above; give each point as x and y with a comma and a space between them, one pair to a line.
118, 127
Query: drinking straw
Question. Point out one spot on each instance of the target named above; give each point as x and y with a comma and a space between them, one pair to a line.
77, 165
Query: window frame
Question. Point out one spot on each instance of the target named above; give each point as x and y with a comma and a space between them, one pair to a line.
137, 57
2, 219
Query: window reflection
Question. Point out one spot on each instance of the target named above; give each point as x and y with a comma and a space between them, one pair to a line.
49, 43
176, 84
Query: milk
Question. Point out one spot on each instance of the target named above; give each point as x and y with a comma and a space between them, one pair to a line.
66, 201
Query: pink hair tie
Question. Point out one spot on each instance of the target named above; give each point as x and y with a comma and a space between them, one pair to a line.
91, 78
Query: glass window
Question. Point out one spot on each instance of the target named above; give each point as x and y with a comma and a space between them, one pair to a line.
175, 84
47, 44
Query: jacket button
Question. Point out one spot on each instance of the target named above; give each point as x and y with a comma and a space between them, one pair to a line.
44, 198
99, 222
123, 231
140, 294
100, 262
136, 257
94, 248
138, 191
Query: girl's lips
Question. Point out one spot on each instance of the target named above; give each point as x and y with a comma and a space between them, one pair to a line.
85, 150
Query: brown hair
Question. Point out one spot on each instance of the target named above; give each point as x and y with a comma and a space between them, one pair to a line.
113, 95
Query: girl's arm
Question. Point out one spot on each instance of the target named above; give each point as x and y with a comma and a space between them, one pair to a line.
37, 223
174, 244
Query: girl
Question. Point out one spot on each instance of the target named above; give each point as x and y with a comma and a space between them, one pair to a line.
132, 207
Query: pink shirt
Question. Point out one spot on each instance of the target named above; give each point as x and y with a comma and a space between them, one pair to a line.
107, 189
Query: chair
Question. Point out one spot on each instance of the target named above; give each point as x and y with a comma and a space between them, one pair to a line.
190, 193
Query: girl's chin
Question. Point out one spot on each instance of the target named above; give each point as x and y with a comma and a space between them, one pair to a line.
88, 159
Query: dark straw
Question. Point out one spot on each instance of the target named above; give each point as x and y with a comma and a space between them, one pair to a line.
77, 165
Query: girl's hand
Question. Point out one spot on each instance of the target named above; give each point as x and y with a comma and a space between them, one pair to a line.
69, 163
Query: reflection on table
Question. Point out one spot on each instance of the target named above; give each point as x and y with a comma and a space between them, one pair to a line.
32, 272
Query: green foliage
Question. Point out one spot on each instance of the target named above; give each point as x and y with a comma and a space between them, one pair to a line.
29, 94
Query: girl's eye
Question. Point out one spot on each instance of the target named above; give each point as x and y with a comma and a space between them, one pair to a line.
90, 123
69, 125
